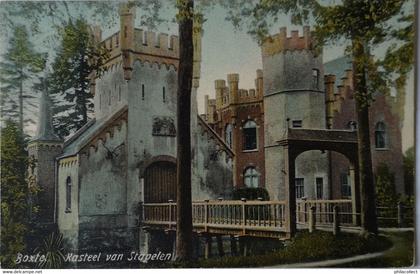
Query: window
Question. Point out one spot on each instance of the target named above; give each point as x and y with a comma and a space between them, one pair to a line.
251, 177
68, 194
109, 97
300, 188
315, 78
250, 135
380, 135
100, 101
142, 92
119, 93
228, 135
117, 40
125, 32
345, 185
319, 188
297, 123
164, 94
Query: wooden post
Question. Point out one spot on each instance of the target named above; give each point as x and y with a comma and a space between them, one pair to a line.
170, 213
233, 246
400, 216
207, 247
336, 220
243, 246
312, 218
141, 213
290, 194
206, 215
220, 249
243, 215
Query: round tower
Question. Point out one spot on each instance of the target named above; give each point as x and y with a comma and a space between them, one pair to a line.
294, 97
42, 150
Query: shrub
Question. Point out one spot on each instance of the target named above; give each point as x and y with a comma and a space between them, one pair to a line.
305, 247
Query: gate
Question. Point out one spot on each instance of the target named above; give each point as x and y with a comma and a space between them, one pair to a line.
160, 182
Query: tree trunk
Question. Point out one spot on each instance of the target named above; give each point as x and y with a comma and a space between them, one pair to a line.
184, 245
367, 187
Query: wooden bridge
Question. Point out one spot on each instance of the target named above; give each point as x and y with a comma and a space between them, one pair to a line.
252, 218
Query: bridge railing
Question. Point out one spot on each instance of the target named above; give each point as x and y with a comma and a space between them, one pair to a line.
324, 211
257, 215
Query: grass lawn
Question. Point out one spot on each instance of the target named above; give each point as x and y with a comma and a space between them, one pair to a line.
401, 255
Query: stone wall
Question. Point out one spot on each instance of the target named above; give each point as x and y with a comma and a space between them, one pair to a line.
44, 153
68, 220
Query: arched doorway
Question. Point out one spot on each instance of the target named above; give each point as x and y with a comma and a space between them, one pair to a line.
160, 182
297, 142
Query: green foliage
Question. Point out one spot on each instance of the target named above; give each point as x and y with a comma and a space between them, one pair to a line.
401, 255
408, 165
250, 193
77, 58
52, 248
14, 193
385, 187
305, 247
20, 64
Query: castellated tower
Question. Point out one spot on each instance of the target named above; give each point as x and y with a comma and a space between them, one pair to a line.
294, 97
44, 148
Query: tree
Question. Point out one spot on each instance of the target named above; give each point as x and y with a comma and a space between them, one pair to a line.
20, 64
14, 192
365, 24
185, 74
77, 58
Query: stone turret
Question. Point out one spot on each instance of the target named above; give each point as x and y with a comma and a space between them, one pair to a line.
42, 150
294, 96
233, 82
127, 17
259, 84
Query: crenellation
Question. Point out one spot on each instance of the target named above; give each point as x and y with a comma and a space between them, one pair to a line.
163, 41
150, 39
280, 42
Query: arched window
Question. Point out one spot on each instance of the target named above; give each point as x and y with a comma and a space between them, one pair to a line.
251, 177
228, 135
315, 78
68, 194
250, 135
380, 135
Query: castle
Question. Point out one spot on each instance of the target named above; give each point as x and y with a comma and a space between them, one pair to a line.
94, 181
296, 90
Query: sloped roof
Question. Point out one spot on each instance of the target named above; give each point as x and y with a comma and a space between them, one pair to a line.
85, 134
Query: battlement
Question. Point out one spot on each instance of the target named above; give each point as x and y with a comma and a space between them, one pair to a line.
281, 42
233, 78
230, 94
146, 42
219, 83
337, 93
